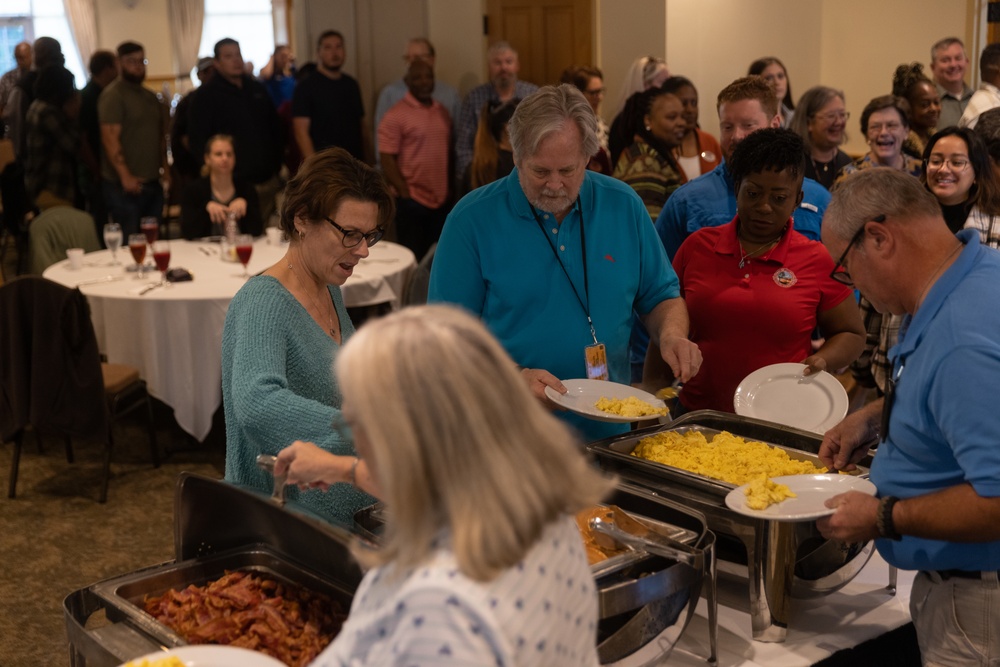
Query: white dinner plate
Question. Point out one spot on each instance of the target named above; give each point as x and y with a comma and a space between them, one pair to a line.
211, 655
811, 492
780, 393
581, 395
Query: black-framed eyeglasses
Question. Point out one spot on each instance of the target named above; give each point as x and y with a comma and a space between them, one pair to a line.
839, 273
353, 237
890, 396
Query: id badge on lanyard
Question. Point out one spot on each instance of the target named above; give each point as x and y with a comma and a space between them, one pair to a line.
597, 361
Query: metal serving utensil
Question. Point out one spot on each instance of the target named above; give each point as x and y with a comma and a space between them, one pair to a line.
652, 542
149, 288
266, 462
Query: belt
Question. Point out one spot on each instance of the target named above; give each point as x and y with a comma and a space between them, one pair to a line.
962, 574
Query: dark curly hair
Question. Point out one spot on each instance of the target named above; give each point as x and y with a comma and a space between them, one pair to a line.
906, 78
770, 149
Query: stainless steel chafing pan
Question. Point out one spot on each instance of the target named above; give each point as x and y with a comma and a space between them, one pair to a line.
782, 559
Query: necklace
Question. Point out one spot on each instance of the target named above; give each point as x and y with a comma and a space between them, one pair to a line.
745, 256
927, 285
319, 311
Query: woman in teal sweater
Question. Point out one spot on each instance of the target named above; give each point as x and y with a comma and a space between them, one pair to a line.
285, 327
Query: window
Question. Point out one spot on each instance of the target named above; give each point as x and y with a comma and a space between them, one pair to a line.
249, 22
25, 20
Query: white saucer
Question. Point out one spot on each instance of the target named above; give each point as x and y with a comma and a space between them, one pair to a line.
812, 491
780, 393
211, 655
581, 395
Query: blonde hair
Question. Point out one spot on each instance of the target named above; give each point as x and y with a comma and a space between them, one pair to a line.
228, 138
458, 441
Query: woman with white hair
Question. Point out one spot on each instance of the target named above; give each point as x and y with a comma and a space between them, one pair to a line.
482, 562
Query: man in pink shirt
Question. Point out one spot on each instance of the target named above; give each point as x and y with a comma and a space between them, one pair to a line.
414, 138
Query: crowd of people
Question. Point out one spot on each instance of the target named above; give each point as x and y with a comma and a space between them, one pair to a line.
646, 250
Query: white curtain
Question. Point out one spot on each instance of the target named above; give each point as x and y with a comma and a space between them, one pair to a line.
82, 17
186, 19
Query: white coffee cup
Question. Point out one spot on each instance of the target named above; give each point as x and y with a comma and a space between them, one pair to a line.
274, 235
75, 256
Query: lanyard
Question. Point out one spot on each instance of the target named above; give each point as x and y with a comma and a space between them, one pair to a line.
585, 305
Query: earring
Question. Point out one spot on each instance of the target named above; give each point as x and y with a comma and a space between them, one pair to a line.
302, 234
647, 128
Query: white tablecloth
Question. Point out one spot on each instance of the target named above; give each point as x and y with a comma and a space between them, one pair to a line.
173, 335
820, 627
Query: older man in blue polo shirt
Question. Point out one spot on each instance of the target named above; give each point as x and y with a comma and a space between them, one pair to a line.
937, 467
554, 257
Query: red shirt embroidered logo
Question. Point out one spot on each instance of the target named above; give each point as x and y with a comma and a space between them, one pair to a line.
784, 277
609, 258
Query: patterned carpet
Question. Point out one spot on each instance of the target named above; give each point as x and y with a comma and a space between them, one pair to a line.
55, 538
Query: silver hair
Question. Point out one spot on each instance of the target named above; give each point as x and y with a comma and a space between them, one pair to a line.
547, 111
500, 47
808, 106
873, 192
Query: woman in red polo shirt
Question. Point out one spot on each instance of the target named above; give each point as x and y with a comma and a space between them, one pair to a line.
756, 289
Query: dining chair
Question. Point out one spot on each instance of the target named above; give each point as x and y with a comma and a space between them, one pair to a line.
54, 231
51, 376
415, 289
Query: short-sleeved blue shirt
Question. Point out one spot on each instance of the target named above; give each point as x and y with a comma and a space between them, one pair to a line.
944, 427
710, 201
496, 260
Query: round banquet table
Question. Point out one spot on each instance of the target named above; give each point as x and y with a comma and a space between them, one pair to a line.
173, 334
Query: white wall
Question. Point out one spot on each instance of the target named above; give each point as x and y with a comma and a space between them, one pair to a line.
628, 30
456, 29
146, 23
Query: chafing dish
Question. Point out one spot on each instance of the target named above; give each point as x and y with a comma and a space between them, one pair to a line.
645, 600
217, 527
783, 560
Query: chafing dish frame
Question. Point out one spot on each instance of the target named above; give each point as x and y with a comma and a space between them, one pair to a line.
215, 523
771, 546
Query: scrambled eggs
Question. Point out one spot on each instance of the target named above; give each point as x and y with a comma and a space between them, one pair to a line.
762, 493
728, 457
629, 407
163, 662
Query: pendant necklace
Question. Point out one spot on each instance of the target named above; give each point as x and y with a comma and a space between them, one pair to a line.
746, 256
319, 311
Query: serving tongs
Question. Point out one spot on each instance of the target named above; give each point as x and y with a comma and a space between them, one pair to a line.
266, 463
643, 537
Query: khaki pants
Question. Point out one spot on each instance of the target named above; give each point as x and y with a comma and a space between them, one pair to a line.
267, 193
957, 620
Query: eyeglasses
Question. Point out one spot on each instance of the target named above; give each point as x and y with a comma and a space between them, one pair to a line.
876, 128
887, 401
595, 93
134, 61
956, 163
833, 116
353, 237
839, 273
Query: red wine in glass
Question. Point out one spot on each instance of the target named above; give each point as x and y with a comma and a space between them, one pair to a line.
161, 255
137, 246
151, 228
244, 248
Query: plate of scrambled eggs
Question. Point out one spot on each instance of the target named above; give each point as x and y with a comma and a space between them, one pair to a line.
205, 655
793, 497
608, 401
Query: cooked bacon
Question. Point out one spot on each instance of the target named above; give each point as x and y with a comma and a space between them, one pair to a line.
244, 609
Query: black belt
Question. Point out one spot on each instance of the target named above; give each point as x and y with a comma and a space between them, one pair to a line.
960, 574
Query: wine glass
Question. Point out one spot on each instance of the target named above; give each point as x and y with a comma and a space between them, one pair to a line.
161, 255
137, 245
151, 228
113, 239
244, 248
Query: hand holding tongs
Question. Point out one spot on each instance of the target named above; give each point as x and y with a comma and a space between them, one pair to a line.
266, 462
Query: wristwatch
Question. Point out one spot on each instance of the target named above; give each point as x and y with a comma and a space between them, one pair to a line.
883, 519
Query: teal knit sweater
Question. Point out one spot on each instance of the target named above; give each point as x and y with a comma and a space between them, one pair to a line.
278, 387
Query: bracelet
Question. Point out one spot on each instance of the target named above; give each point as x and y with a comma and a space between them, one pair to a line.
354, 471
883, 519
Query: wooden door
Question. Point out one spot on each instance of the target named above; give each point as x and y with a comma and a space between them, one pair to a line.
549, 35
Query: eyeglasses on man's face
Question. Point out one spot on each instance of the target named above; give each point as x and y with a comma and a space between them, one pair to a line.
839, 273
936, 162
833, 116
353, 237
